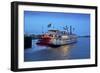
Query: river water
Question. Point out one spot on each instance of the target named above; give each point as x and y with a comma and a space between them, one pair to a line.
78, 50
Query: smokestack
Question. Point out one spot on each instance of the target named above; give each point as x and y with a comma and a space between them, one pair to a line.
70, 29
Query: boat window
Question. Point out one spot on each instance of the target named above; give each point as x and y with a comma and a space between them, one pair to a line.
51, 35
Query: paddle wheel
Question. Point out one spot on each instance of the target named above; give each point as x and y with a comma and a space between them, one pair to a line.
44, 40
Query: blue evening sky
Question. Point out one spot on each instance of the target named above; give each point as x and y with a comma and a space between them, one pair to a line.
36, 22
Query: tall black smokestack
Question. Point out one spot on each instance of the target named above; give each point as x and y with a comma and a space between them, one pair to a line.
70, 29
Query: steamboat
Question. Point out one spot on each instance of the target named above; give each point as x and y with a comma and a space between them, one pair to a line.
57, 38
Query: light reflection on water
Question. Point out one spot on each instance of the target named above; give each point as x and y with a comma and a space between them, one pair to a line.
63, 50
79, 50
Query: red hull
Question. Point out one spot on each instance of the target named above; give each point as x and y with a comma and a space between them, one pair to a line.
44, 40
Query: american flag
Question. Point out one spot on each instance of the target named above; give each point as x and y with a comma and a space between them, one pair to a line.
49, 25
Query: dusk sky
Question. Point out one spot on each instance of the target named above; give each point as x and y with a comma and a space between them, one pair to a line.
36, 22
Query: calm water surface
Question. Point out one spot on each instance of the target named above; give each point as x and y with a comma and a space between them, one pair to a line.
79, 50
